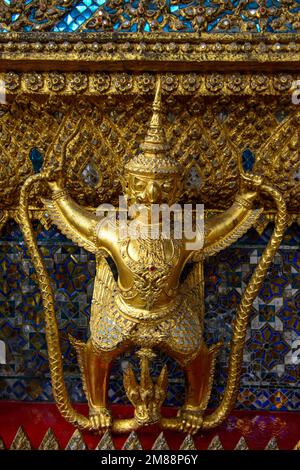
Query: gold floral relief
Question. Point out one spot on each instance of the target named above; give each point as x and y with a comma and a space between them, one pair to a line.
86, 130
207, 135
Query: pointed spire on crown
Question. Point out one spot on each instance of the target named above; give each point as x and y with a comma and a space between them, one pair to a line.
155, 156
155, 141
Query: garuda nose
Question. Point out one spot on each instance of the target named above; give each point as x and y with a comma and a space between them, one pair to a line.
153, 192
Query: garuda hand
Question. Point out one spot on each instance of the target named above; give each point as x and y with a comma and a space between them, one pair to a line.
55, 179
251, 181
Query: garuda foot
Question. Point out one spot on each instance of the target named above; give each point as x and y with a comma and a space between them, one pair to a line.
191, 419
101, 419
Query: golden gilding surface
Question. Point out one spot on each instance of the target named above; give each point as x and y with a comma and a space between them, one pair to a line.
218, 95
146, 307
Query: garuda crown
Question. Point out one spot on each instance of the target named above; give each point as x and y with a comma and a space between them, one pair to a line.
154, 157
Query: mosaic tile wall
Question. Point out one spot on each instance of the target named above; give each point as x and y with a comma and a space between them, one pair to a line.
150, 16
271, 372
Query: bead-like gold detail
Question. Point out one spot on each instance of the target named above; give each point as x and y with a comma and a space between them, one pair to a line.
132, 442
76, 442
49, 441
215, 444
20, 441
86, 147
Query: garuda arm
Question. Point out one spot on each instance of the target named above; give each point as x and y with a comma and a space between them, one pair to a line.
74, 221
220, 231
224, 229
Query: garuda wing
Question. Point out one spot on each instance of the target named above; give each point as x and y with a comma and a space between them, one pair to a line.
278, 161
105, 332
68, 230
231, 237
193, 289
105, 286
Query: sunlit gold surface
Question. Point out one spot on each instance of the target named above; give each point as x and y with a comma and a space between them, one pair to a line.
147, 307
207, 135
176, 52
70, 96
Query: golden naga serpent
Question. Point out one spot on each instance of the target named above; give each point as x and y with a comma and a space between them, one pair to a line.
239, 329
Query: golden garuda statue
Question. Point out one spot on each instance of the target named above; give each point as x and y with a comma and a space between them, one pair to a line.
148, 307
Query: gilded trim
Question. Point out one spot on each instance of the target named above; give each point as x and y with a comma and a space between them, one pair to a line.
150, 51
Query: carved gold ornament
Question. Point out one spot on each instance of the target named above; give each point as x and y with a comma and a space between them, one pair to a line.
146, 307
84, 110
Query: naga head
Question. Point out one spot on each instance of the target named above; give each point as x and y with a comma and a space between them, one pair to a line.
147, 397
153, 176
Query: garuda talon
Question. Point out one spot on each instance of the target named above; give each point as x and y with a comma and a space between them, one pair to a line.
148, 307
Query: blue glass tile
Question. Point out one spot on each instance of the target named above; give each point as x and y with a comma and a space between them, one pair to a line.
81, 8
248, 160
71, 19
36, 159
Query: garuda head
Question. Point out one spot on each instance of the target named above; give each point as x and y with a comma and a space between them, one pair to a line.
153, 176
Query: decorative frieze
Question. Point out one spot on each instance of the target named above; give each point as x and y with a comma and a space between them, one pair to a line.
193, 83
136, 51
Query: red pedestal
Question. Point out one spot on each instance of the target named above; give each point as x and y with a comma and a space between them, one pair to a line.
257, 428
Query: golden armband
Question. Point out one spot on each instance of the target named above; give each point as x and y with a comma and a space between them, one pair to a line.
59, 194
243, 202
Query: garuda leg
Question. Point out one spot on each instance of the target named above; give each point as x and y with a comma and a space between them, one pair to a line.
199, 374
95, 370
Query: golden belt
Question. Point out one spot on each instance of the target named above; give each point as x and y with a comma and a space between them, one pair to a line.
139, 314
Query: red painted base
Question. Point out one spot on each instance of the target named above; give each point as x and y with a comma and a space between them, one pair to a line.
257, 428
